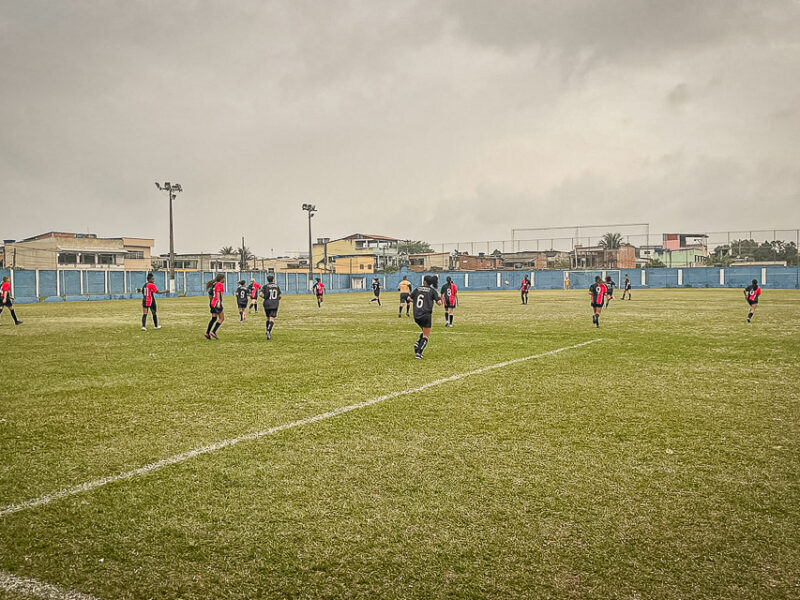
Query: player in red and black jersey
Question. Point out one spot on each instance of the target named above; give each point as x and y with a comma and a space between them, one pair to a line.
252, 290
598, 293
524, 288
752, 293
6, 301
271, 293
423, 299
319, 291
215, 289
449, 291
149, 292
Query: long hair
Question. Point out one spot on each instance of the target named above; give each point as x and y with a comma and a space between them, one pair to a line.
210, 284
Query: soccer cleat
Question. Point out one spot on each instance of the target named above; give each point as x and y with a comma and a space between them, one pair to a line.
17, 322
207, 335
157, 327
214, 335
144, 328
418, 356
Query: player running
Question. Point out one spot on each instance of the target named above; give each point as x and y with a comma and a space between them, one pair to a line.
242, 295
751, 293
149, 292
598, 292
449, 291
424, 298
252, 290
215, 289
376, 289
6, 299
271, 293
627, 289
610, 285
319, 291
524, 288
405, 295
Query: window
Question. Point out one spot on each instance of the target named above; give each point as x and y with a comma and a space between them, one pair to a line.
361, 267
88, 259
135, 254
106, 259
65, 258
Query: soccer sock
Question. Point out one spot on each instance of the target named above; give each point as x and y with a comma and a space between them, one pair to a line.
419, 341
422, 343
594, 318
749, 316
270, 325
216, 326
155, 318
451, 318
379, 301
144, 320
211, 324
401, 312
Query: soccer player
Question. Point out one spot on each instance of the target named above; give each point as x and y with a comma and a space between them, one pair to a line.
609, 290
627, 289
6, 299
449, 291
424, 298
751, 293
319, 291
405, 295
215, 289
252, 290
272, 299
598, 292
523, 289
242, 295
149, 292
376, 289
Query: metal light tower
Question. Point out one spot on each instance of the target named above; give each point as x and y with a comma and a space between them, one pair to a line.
171, 189
311, 210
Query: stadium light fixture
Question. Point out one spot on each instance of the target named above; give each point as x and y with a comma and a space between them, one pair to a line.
311, 209
171, 189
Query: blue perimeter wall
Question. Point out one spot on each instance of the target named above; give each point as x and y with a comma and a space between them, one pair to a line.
69, 285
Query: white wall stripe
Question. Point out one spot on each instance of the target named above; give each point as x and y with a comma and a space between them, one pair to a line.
184, 456
38, 589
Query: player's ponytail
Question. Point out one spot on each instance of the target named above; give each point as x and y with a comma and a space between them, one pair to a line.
210, 284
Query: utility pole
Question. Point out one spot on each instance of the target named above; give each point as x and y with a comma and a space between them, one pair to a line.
171, 189
311, 210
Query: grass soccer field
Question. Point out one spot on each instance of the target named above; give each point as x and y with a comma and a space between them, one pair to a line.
529, 455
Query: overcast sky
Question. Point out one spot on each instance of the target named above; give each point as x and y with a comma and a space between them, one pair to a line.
434, 120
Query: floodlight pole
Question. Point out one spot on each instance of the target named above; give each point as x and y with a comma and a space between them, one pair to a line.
171, 189
311, 210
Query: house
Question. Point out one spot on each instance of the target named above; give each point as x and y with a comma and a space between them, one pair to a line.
355, 253
600, 257
678, 250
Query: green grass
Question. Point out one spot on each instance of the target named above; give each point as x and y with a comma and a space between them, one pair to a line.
660, 462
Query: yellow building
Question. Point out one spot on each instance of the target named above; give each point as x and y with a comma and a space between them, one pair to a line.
60, 250
357, 253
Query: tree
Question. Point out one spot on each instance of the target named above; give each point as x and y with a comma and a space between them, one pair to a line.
244, 255
226, 251
655, 263
415, 247
611, 241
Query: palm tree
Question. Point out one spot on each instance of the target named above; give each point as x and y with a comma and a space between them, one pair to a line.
244, 255
611, 241
226, 250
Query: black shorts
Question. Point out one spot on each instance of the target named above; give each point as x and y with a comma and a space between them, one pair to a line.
270, 312
7, 303
377, 294
152, 306
423, 321
752, 302
215, 310
242, 305
405, 297
594, 305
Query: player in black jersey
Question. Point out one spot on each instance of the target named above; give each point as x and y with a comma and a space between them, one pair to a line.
376, 289
627, 289
423, 298
610, 285
272, 299
242, 293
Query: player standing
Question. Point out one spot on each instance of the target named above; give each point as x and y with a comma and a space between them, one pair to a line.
449, 291
424, 298
627, 289
6, 300
271, 293
319, 291
376, 289
523, 289
405, 295
252, 290
242, 294
215, 289
598, 292
609, 290
751, 293
149, 292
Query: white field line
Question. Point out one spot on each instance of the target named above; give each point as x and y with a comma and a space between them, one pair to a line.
184, 456
38, 589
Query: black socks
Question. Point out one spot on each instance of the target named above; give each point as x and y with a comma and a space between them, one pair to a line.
211, 324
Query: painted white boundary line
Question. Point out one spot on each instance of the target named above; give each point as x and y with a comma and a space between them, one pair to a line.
184, 456
38, 589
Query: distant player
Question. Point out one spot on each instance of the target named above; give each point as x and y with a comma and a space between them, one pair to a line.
598, 293
319, 291
272, 299
627, 289
242, 296
376, 289
252, 290
149, 292
524, 288
405, 295
215, 289
610, 285
424, 297
751, 293
6, 299
449, 291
